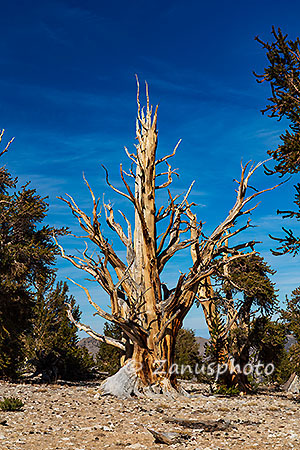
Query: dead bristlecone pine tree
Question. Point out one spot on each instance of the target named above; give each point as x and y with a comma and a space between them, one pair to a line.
149, 314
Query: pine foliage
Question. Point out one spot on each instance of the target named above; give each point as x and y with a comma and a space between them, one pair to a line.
108, 358
27, 255
283, 74
187, 353
291, 318
52, 343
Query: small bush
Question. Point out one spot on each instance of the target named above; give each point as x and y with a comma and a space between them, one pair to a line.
229, 391
11, 404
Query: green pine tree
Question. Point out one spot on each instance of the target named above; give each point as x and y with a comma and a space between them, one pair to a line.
51, 343
108, 358
246, 291
291, 319
283, 75
27, 256
268, 340
187, 353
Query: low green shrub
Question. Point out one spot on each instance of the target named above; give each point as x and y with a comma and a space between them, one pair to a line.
11, 404
229, 391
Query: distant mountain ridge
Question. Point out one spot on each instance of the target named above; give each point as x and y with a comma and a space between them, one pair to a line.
202, 344
290, 340
92, 345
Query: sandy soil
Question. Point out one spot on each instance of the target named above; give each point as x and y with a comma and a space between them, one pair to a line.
69, 417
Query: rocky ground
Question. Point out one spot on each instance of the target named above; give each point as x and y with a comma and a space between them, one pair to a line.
69, 417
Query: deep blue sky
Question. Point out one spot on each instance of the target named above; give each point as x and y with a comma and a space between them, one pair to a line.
67, 94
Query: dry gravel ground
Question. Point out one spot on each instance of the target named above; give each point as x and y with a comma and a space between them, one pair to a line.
69, 417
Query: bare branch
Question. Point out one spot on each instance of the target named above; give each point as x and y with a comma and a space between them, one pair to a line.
130, 196
82, 327
169, 156
7, 146
169, 173
99, 271
130, 249
166, 233
109, 213
237, 210
165, 212
164, 328
112, 187
225, 249
140, 112
172, 302
133, 330
131, 156
167, 254
229, 325
94, 233
174, 231
99, 310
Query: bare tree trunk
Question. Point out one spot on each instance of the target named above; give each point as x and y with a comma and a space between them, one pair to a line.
150, 370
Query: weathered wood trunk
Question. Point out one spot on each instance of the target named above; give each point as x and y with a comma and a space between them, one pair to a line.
154, 364
150, 369
152, 359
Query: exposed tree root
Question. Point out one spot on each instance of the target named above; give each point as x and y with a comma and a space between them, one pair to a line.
126, 383
122, 384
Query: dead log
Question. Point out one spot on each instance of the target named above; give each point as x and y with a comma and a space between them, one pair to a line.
169, 437
205, 425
